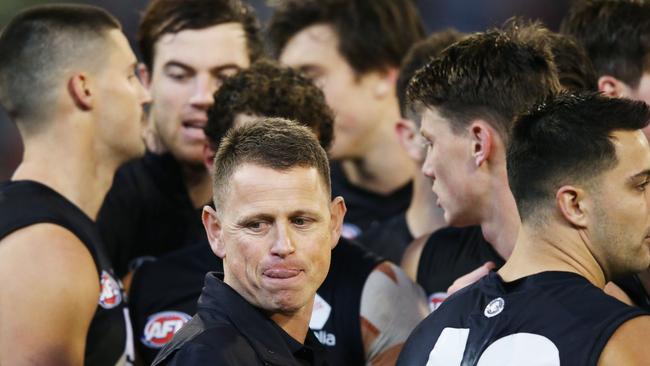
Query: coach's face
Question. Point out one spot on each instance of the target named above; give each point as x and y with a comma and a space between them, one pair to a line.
275, 233
449, 164
621, 227
188, 68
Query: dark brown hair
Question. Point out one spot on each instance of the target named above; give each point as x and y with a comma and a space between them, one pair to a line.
269, 90
493, 76
616, 35
372, 34
172, 16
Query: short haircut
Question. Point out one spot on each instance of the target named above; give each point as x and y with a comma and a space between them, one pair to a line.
565, 140
420, 54
274, 143
269, 90
575, 69
172, 16
492, 76
372, 34
616, 35
39, 45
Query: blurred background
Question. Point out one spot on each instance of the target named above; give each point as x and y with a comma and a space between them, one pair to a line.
464, 15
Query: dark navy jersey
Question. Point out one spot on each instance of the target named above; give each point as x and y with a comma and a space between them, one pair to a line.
388, 238
633, 287
550, 318
26, 203
448, 254
366, 207
164, 294
147, 212
228, 330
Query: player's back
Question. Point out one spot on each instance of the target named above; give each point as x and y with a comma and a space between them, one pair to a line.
549, 318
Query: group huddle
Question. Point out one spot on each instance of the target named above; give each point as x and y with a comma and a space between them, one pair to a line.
336, 188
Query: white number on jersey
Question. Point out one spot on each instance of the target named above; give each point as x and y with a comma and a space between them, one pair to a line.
514, 349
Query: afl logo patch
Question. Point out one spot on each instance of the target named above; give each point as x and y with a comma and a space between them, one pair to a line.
161, 327
111, 294
494, 308
436, 299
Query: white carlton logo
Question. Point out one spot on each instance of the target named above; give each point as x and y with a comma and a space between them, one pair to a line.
494, 308
319, 316
320, 313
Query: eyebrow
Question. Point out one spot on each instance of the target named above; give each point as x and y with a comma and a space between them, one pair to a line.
267, 217
642, 174
189, 68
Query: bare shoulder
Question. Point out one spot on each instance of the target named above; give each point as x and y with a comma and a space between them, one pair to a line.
48, 284
411, 258
628, 344
45, 247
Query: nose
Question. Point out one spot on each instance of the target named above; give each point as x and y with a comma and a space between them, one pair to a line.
145, 96
427, 167
283, 242
204, 88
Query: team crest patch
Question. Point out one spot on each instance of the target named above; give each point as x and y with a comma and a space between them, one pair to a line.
494, 308
436, 299
161, 327
350, 231
111, 294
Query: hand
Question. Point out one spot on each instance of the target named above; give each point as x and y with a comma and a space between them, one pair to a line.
471, 277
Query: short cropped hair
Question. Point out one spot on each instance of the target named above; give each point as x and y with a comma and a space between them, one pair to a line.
269, 90
493, 76
372, 34
274, 143
172, 16
420, 54
564, 140
616, 35
39, 45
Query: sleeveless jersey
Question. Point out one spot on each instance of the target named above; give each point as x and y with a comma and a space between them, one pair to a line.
448, 254
164, 295
550, 318
25, 203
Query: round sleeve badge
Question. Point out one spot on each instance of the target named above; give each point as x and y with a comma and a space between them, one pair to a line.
111, 294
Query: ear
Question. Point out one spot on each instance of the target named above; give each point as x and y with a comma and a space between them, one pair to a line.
572, 203
407, 134
208, 157
144, 75
387, 80
79, 89
213, 229
482, 137
337, 212
612, 87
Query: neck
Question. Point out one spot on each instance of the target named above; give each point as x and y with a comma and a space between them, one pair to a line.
384, 166
70, 166
423, 216
553, 248
198, 183
295, 324
501, 222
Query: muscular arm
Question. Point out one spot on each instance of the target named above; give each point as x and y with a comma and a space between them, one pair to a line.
628, 345
411, 258
49, 290
391, 306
